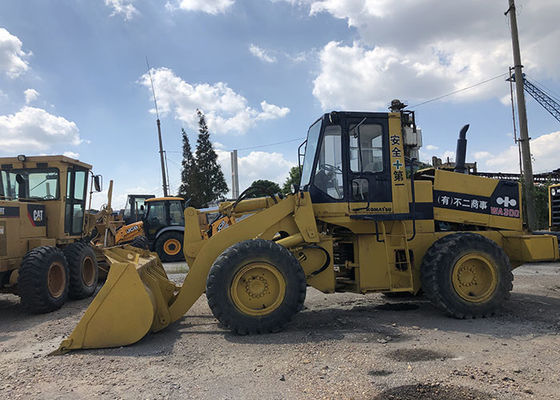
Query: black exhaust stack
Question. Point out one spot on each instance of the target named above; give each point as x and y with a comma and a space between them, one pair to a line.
461, 152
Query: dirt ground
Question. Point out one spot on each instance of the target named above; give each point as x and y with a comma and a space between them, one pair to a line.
342, 346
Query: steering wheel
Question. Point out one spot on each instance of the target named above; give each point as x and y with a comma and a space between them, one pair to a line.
330, 172
331, 169
48, 197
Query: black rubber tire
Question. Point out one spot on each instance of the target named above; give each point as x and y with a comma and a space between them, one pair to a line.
160, 249
33, 285
141, 242
81, 259
436, 275
222, 274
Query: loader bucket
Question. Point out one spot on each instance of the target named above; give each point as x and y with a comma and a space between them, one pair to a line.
125, 308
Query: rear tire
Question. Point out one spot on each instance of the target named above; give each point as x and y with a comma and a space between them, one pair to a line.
255, 286
169, 246
466, 275
43, 280
84, 271
141, 242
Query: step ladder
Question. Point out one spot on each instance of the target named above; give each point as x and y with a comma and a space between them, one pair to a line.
399, 258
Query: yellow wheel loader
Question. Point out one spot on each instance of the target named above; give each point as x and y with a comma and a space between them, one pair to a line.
43, 255
362, 220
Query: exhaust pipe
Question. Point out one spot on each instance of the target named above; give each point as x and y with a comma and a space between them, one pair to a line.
461, 152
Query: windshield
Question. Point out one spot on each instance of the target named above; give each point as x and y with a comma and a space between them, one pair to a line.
310, 148
36, 184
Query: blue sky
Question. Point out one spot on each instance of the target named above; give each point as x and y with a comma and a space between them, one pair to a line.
73, 78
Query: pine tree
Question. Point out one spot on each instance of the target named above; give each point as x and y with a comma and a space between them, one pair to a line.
189, 173
212, 184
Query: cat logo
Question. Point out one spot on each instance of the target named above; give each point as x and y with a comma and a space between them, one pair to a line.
38, 215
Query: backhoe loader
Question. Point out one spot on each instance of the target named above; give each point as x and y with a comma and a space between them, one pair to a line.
362, 220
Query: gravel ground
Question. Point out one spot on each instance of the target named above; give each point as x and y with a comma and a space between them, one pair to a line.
342, 346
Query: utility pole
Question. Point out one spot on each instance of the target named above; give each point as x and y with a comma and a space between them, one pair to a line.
163, 176
234, 175
523, 129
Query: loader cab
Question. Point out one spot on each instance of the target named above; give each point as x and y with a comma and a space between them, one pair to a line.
347, 159
54, 187
135, 208
161, 213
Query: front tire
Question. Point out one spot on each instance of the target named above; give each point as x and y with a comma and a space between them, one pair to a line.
141, 242
169, 246
255, 286
466, 275
84, 271
43, 280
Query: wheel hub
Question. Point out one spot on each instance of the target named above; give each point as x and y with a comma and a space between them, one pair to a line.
258, 289
172, 246
56, 279
474, 278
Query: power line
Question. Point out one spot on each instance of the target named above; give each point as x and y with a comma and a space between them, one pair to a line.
459, 90
270, 144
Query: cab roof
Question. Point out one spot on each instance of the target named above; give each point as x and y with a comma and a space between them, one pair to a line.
32, 161
163, 198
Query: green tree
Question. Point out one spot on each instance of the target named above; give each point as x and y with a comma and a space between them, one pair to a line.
541, 205
189, 173
293, 179
262, 187
211, 183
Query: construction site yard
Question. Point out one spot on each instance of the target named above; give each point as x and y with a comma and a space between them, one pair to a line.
342, 346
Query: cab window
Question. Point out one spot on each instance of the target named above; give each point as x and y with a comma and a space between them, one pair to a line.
176, 216
328, 172
366, 148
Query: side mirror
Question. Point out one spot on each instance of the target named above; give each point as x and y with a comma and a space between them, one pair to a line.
98, 183
294, 188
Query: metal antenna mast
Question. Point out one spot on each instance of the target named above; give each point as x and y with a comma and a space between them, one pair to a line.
523, 129
161, 156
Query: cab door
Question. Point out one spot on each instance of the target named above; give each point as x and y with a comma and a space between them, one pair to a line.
369, 177
76, 186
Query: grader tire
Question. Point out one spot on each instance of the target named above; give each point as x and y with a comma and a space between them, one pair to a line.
43, 280
169, 246
84, 271
255, 286
466, 275
141, 242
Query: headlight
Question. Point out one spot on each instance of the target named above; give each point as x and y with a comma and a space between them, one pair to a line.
21, 158
553, 191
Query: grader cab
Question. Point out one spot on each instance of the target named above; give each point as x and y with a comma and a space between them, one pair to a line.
362, 220
42, 210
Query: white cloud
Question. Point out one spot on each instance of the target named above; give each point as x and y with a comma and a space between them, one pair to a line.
71, 154
225, 110
401, 55
213, 7
544, 151
33, 130
12, 58
30, 95
256, 165
261, 54
481, 155
431, 147
120, 194
125, 8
